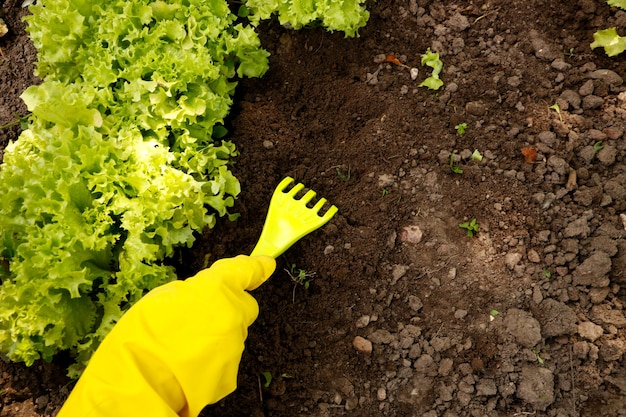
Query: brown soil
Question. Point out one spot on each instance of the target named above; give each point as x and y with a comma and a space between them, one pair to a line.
365, 136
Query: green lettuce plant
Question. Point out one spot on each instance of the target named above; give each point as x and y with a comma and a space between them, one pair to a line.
432, 60
347, 16
120, 164
608, 39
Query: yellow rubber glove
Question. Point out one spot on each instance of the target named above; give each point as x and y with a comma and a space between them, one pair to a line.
177, 349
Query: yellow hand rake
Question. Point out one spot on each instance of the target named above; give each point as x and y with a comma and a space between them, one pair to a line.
289, 219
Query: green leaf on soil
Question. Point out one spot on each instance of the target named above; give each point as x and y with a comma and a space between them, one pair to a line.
432, 60
454, 168
617, 3
608, 39
476, 156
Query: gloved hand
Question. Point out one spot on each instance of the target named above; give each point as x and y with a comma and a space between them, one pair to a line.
177, 349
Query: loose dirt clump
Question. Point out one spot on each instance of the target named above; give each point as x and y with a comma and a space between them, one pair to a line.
407, 315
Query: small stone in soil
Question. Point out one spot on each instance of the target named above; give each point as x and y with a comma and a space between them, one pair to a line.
536, 387
362, 345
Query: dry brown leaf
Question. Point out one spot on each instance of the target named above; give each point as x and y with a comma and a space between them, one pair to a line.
530, 154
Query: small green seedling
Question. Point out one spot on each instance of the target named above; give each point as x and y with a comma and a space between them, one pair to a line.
385, 192
471, 227
460, 128
268, 378
300, 277
547, 273
343, 176
493, 314
476, 156
431, 59
454, 168
536, 352
557, 109
21, 120
598, 146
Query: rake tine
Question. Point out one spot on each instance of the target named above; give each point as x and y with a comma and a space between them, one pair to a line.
318, 206
289, 219
284, 184
308, 196
295, 190
330, 213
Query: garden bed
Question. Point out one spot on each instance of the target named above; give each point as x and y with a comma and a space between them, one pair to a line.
525, 317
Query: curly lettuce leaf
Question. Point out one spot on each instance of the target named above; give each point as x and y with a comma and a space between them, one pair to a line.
347, 16
432, 60
608, 39
617, 3
118, 167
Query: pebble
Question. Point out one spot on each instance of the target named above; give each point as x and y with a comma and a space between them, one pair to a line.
613, 350
362, 322
411, 234
415, 303
381, 394
560, 65
547, 137
536, 387
613, 133
596, 135
362, 345
486, 387
397, 272
558, 164
542, 49
586, 89
557, 318
592, 102
460, 314
380, 58
445, 366
608, 76
607, 155
593, 271
458, 22
386, 180
590, 331
587, 154
523, 327
533, 256
475, 108
452, 87
42, 402
511, 259
514, 81
578, 227
572, 98
604, 314
381, 336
